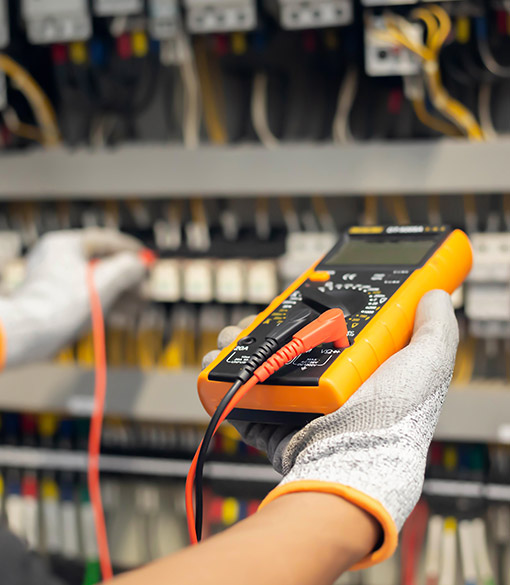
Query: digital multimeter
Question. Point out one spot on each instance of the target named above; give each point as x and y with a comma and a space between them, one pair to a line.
376, 275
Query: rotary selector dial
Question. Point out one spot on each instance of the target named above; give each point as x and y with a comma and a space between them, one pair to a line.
353, 299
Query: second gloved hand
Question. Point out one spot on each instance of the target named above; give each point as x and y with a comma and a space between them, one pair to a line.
51, 308
372, 451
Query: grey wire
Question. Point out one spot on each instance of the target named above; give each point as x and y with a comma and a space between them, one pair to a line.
488, 59
484, 110
346, 97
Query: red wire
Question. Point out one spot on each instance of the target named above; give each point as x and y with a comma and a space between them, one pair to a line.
413, 535
96, 425
190, 480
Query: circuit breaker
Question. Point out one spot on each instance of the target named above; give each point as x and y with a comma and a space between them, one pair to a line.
488, 290
298, 14
56, 21
385, 58
164, 19
207, 16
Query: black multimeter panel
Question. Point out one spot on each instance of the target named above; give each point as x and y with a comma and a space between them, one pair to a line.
365, 270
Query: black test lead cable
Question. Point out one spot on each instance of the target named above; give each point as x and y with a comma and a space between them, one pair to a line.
275, 339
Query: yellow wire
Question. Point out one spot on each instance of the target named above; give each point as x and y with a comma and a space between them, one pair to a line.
506, 207
400, 210
440, 98
469, 204
434, 209
211, 94
198, 214
370, 215
507, 360
467, 365
450, 107
445, 27
41, 105
319, 205
427, 119
431, 23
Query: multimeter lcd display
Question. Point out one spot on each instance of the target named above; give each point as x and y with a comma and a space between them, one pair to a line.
371, 252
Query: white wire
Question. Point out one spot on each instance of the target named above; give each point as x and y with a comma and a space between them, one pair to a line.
259, 112
483, 563
119, 25
433, 547
449, 553
467, 552
191, 101
484, 110
346, 97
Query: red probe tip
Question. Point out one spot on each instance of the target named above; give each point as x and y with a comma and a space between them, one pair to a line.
148, 257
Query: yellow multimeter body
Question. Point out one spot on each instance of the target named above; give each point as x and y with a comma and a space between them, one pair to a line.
377, 276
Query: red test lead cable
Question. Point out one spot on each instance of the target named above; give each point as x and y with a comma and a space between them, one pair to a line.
96, 425
96, 421
330, 327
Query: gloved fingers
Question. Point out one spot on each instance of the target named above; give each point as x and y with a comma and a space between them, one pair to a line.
209, 357
436, 333
227, 336
270, 438
74, 244
435, 318
420, 370
54, 245
103, 241
117, 274
243, 323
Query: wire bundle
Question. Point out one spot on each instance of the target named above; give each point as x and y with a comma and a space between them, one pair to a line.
438, 27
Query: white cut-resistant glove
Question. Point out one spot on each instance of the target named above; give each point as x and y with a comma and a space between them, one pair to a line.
372, 451
51, 308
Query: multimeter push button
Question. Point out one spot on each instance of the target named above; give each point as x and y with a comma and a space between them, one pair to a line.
320, 276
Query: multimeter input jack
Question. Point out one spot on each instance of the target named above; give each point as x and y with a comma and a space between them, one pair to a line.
275, 339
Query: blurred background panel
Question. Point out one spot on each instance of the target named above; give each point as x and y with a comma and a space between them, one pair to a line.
237, 139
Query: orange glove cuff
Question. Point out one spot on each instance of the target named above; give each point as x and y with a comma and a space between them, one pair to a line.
357, 498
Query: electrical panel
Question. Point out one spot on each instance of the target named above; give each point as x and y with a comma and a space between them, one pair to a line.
384, 57
297, 14
117, 7
207, 16
55, 21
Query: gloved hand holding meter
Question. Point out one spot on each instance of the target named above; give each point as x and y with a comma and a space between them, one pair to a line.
372, 451
340, 380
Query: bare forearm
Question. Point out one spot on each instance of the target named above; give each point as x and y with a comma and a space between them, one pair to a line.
305, 539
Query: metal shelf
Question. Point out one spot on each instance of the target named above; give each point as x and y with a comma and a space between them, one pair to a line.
132, 393
60, 460
477, 412
159, 171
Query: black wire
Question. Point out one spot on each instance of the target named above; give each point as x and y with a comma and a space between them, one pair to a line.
199, 472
